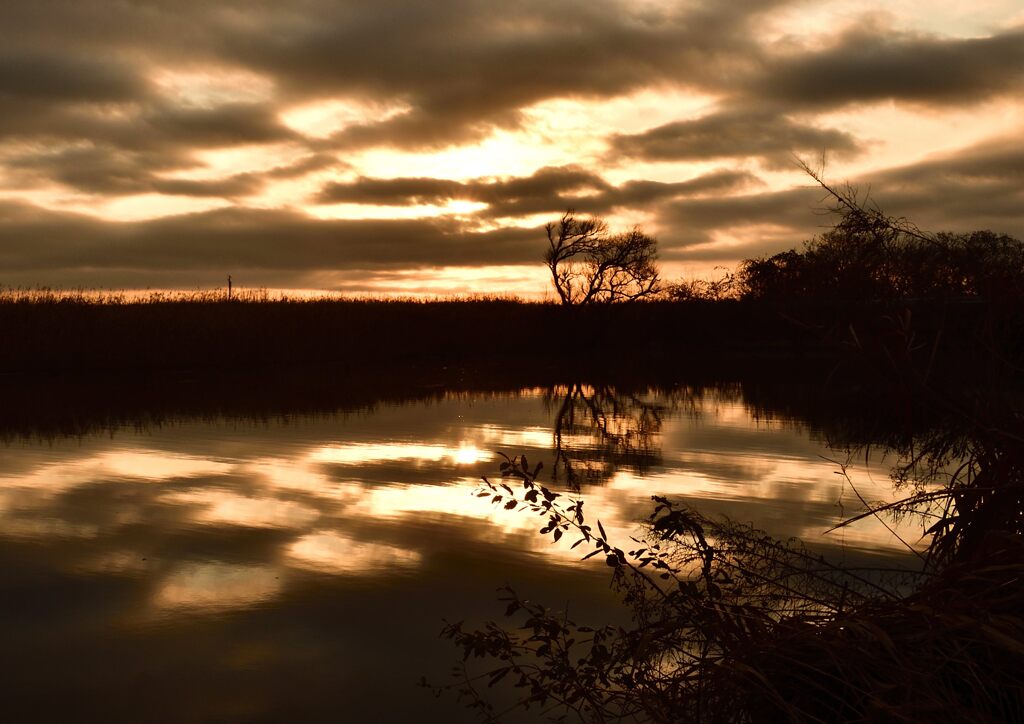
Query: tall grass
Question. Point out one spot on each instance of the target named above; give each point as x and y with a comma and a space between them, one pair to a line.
238, 295
78, 331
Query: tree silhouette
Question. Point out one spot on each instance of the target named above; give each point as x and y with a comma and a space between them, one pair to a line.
870, 256
588, 264
598, 431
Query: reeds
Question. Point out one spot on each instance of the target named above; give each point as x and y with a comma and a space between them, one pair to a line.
79, 331
244, 295
53, 331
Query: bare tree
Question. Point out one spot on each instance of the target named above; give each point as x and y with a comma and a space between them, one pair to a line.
590, 265
598, 431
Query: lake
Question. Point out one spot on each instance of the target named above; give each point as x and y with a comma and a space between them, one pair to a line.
298, 567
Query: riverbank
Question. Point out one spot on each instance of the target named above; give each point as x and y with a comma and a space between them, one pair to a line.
60, 337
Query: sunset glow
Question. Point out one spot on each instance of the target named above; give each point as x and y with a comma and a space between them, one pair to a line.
446, 142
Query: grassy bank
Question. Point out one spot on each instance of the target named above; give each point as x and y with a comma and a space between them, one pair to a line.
51, 333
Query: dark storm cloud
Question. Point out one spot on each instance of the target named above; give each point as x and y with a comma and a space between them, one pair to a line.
740, 133
870, 63
549, 190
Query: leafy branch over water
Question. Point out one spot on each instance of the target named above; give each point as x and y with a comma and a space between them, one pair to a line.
729, 624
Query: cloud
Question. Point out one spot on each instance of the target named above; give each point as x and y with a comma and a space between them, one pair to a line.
109, 171
461, 67
122, 99
870, 63
223, 125
980, 187
34, 75
459, 61
735, 133
548, 190
284, 245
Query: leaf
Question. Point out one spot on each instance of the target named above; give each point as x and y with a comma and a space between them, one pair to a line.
498, 675
591, 554
558, 533
510, 505
601, 528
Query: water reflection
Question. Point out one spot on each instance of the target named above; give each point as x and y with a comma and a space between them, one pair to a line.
600, 430
339, 554
356, 533
216, 586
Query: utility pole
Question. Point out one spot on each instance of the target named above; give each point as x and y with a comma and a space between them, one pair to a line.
229, 286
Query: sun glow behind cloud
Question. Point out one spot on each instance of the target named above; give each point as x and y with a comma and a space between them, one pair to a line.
268, 111
322, 118
211, 87
416, 211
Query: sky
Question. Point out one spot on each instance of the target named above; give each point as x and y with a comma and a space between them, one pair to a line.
419, 147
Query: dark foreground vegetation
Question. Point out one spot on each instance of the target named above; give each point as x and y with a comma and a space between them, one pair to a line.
53, 335
729, 624
66, 336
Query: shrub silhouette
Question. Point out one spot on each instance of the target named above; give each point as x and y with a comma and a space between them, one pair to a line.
870, 256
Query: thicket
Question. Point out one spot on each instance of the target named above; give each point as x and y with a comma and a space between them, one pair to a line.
868, 262
870, 256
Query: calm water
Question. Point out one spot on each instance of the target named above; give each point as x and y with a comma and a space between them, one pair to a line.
300, 568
